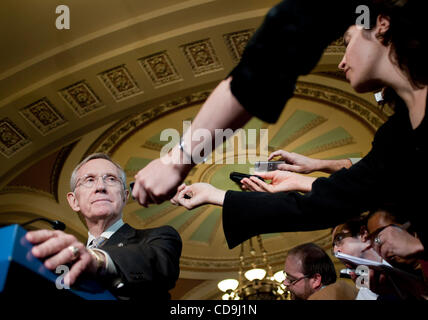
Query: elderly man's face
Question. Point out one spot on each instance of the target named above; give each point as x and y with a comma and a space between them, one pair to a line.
105, 198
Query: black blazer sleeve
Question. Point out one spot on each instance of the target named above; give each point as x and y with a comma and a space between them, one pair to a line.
332, 200
289, 43
149, 260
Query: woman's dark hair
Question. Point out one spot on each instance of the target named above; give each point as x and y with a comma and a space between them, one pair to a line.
406, 34
354, 226
315, 260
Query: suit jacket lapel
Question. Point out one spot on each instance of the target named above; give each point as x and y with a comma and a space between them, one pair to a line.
124, 233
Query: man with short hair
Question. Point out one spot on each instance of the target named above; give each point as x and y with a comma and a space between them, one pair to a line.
310, 275
131, 263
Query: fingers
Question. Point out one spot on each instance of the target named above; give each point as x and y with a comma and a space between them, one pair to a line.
277, 153
289, 167
252, 185
64, 256
40, 236
187, 203
139, 194
267, 175
174, 200
274, 154
53, 245
77, 269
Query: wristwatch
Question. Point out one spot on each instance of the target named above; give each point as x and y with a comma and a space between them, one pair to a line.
100, 260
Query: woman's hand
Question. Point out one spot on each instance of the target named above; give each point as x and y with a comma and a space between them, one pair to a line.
282, 181
198, 194
295, 162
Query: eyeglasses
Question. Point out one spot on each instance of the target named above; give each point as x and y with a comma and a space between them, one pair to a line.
88, 181
291, 280
338, 238
375, 233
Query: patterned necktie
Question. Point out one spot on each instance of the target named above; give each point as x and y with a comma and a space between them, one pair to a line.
97, 243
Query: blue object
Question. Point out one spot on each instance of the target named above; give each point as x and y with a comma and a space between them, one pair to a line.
15, 248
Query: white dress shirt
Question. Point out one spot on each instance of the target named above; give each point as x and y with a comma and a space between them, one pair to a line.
110, 267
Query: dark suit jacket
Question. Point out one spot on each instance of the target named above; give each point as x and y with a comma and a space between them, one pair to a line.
147, 261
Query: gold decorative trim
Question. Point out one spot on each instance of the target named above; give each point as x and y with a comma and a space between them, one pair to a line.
202, 57
25, 189
43, 116
120, 83
337, 46
371, 115
308, 127
12, 139
160, 69
237, 41
57, 168
332, 145
113, 137
213, 265
81, 98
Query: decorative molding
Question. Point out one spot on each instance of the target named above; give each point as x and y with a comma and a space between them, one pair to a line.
117, 134
307, 122
337, 46
202, 57
160, 69
12, 139
43, 116
337, 75
57, 167
25, 189
335, 138
371, 115
213, 265
237, 41
120, 83
81, 98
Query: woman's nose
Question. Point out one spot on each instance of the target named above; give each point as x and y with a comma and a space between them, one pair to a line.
342, 64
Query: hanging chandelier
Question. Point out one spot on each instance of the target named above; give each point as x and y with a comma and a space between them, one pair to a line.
256, 283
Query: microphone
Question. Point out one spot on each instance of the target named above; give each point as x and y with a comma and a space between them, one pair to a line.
56, 224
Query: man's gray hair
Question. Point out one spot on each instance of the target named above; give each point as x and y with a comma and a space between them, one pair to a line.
73, 179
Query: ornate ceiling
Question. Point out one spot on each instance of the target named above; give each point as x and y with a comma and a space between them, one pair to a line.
125, 71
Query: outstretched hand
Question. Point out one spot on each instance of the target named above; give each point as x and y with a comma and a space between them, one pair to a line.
157, 182
198, 194
295, 162
282, 181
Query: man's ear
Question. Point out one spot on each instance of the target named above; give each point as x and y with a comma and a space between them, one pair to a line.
126, 196
316, 281
73, 202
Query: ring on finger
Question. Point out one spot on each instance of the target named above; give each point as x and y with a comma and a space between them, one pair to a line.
74, 251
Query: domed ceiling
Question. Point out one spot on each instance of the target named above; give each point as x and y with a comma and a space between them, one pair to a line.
126, 71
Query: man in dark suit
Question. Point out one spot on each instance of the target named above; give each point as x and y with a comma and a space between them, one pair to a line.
131, 263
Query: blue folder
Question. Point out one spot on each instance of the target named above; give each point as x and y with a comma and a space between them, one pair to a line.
15, 250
